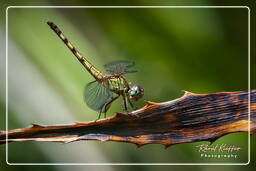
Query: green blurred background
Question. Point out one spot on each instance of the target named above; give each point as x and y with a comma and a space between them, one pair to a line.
198, 50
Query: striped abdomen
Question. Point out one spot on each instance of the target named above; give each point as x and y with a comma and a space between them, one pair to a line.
89, 67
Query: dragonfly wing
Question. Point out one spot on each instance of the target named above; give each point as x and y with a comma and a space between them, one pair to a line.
96, 95
119, 67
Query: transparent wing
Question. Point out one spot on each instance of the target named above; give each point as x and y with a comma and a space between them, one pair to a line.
96, 95
119, 67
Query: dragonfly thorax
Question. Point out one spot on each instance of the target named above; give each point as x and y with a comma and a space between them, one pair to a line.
117, 84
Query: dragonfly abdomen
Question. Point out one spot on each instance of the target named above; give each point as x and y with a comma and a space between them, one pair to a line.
89, 67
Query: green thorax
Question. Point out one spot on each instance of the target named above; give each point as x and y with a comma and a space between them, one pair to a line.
116, 84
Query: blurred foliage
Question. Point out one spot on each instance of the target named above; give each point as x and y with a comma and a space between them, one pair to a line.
198, 50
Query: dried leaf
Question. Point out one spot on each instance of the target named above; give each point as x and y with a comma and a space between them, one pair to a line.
190, 118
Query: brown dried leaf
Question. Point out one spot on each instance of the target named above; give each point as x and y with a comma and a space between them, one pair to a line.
190, 118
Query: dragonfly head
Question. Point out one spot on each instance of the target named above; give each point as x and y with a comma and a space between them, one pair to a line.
136, 92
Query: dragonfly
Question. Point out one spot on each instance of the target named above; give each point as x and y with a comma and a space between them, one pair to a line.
105, 89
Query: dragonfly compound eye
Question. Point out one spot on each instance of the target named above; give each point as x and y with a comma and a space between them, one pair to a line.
136, 92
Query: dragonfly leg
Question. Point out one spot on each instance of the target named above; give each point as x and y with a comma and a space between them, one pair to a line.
99, 115
106, 106
125, 101
102, 110
130, 103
